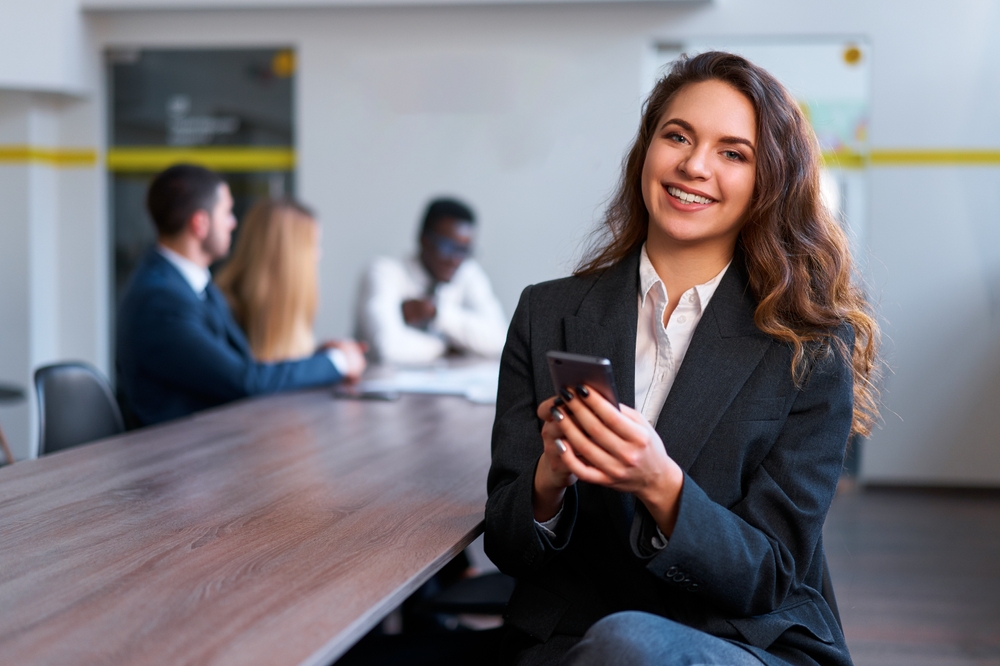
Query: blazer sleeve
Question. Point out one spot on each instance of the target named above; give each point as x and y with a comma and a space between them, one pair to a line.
512, 539
176, 349
749, 557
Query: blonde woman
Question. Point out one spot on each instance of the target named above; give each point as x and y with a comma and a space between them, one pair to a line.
271, 280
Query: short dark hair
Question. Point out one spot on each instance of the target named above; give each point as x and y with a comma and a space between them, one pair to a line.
445, 209
179, 192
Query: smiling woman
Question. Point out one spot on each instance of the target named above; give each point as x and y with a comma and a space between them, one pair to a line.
686, 526
797, 256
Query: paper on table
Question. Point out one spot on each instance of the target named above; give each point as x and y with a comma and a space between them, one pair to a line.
477, 383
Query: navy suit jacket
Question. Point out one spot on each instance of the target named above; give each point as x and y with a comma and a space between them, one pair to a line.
177, 353
761, 457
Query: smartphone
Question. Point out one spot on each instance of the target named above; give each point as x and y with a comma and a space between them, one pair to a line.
357, 392
571, 370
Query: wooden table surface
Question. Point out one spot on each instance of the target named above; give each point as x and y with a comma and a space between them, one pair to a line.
273, 531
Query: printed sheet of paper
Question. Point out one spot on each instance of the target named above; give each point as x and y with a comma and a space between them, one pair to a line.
477, 382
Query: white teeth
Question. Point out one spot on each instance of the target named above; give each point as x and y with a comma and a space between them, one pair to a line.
687, 197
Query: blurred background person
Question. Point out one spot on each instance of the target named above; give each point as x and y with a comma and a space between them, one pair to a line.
179, 350
420, 308
270, 281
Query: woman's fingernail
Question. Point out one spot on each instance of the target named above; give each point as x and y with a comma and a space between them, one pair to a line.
559, 402
582, 390
561, 445
556, 414
566, 395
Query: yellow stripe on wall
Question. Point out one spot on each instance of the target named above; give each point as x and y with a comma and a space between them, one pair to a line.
57, 157
930, 157
230, 158
241, 159
915, 157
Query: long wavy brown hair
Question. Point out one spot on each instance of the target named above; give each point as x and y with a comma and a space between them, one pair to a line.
796, 254
271, 279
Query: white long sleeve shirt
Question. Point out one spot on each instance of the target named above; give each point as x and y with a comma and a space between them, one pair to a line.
659, 348
469, 316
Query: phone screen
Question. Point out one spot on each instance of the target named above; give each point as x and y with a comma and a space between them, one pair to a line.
571, 370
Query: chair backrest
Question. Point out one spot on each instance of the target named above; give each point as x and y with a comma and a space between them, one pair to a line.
75, 406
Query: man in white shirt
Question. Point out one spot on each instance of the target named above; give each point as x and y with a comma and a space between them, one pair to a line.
418, 309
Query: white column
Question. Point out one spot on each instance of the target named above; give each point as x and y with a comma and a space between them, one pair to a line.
53, 277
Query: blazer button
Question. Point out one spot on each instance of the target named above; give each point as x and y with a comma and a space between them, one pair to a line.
670, 572
692, 587
679, 577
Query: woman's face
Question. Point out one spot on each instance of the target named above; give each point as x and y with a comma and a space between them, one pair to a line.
699, 172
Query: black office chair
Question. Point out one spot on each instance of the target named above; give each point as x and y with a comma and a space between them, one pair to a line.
75, 406
482, 595
489, 594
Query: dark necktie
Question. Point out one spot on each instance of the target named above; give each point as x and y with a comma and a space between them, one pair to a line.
220, 311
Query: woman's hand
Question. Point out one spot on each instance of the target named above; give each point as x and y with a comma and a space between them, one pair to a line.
552, 476
620, 450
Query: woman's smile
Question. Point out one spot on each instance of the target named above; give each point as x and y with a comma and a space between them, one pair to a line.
685, 199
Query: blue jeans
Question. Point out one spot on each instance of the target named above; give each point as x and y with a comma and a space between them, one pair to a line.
643, 639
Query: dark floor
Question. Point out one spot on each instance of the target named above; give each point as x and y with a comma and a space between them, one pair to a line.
917, 575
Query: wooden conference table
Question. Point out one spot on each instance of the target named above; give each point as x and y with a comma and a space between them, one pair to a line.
273, 531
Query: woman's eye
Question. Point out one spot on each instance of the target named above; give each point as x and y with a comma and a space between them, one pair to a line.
733, 155
674, 136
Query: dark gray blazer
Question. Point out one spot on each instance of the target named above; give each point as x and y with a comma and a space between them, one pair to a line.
761, 458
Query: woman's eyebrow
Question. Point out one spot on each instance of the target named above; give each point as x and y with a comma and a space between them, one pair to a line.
737, 139
677, 121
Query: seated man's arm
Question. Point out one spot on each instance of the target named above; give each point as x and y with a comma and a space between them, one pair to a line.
381, 323
177, 349
477, 324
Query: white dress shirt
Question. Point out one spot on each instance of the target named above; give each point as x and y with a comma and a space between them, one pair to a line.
659, 349
469, 316
198, 278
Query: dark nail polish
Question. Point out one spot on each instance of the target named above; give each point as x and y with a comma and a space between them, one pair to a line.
582, 390
566, 395
557, 415
558, 402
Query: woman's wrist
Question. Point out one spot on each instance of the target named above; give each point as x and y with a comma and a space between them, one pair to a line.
547, 496
662, 498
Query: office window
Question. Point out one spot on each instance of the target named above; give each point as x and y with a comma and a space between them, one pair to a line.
227, 109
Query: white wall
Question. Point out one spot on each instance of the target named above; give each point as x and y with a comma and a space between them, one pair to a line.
52, 256
522, 111
41, 45
526, 111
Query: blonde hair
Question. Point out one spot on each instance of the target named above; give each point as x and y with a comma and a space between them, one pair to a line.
270, 280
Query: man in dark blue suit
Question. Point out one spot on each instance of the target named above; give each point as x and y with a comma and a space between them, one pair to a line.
179, 348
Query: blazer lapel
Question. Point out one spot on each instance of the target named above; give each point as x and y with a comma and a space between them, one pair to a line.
725, 349
234, 334
605, 326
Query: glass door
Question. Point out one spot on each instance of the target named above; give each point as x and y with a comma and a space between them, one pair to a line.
229, 110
